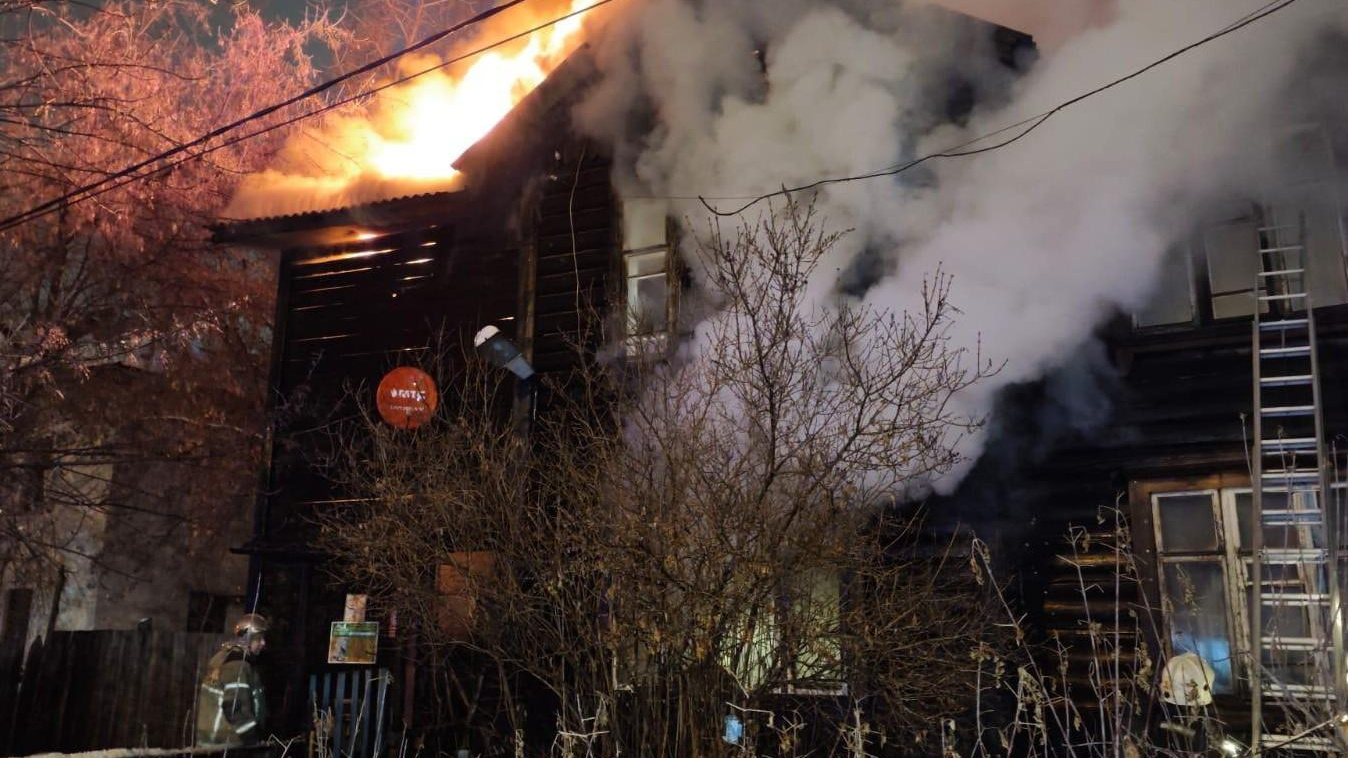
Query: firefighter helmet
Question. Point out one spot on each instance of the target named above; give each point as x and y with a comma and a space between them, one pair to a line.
251, 623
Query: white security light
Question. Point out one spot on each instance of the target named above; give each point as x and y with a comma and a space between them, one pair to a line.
501, 352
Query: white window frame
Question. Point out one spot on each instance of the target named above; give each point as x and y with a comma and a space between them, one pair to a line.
1235, 560
1270, 211
650, 342
1222, 555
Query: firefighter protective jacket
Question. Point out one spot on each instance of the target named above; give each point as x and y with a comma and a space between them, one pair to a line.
231, 705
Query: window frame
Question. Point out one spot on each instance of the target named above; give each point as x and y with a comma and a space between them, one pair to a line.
1235, 557
1220, 554
1301, 200
654, 342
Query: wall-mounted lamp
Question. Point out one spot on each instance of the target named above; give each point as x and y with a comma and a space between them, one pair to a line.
501, 352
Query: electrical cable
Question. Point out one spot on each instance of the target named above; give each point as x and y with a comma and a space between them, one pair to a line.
317, 89
4, 226
125, 180
1034, 122
128, 175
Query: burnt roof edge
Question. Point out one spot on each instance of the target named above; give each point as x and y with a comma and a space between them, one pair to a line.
402, 212
393, 214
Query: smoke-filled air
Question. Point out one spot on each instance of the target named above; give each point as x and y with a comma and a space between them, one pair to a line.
1045, 239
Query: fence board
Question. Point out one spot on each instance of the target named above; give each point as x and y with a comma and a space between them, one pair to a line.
79, 691
11, 668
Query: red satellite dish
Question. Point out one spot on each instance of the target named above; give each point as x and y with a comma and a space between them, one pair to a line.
406, 397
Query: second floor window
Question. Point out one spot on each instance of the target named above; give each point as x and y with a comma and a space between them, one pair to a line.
1211, 274
648, 276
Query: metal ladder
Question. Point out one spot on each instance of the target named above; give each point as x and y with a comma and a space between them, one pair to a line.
1295, 577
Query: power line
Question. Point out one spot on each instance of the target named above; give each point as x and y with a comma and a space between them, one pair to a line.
1034, 122
125, 180
56, 203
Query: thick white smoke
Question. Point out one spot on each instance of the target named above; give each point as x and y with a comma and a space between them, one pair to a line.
1045, 238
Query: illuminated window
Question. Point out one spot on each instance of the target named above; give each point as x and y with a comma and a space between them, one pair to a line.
648, 276
1196, 580
1204, 561
792, 646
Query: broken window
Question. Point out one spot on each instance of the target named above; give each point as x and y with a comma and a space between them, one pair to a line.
1298, 211
1172, 301
648, 276
1302, 209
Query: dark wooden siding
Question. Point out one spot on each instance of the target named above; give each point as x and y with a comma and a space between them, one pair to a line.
575, 239
1180, 413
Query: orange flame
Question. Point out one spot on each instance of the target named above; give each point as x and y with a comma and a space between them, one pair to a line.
410, 136
431, 121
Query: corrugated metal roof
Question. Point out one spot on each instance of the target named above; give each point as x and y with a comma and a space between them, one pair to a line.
374, 206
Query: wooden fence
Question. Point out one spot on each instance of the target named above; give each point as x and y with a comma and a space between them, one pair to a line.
89, 690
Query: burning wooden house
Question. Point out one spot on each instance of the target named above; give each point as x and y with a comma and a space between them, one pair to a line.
1224, 411
532, 230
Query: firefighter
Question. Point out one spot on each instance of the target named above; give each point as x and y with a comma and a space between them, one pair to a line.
231, 705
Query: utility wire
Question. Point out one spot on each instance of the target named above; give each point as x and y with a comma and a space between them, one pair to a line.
330, 106
1034, 122
75, 195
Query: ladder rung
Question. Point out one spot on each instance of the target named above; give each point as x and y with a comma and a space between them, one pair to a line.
1288, 380
1299, 690
1287, 323
1294, 599
1288, 410
1293, 556
1275, 227
1288, 296
1281, 249
1292, 518
1285, 352
1300, 744
1281, 272
1282, 444
1292, 643
1296, 475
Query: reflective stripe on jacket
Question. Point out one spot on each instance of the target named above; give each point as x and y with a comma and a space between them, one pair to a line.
231, 704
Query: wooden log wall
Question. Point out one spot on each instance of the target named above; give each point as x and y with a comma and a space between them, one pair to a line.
575, 259
1181, 411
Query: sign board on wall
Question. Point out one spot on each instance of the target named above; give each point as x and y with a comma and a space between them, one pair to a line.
353, 642
355, 608
406, 397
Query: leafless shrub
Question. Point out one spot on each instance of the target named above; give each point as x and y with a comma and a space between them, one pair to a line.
682, 539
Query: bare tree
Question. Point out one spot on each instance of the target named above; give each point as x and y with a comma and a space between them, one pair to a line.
132, 351
710, 535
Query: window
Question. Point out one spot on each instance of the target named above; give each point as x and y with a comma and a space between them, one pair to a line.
1172, 301
795, 642
206, 611
1196, 581
23, 480
1203, 571
648, 277
459, 585
1217, 280
1232, 253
